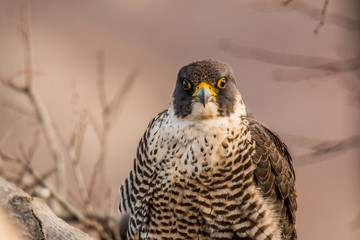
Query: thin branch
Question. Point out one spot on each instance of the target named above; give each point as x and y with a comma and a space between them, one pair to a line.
35, 183
19, 180
118, 100
285, 3
264, 55
10, 81
94, 123
34, 99
315, 67
109, 116
27, 156
101, 79
309, 10
343, 21
96, 169
323, 16
64, 203
22, 160
340, 20
74, 151
331, 69
39, 107
13, 85
321, 150
35, 143
17, 109
106, 199
5, 136
50, 136
25, 32
74, 195
95, 173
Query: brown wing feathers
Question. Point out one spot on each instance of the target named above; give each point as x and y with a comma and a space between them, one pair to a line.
275, 176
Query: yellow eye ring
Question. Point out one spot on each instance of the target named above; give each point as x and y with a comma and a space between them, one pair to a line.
221, 83
186, 84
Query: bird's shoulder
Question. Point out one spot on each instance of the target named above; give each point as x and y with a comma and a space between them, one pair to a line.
274, 173
270, 142
158, 120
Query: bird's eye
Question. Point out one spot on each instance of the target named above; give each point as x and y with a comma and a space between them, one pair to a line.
222, 83
186, 84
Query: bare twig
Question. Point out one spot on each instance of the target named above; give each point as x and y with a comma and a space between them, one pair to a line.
264, 55
19, 180
30, 179
64, 203
315, 67
323, 15
10, 81
74, 151
17, 109
340, 20
101, 80
73, 195
94, 123
35, 143
34, 183
27, 156
25, 32
117, 102
110, 111
95, 172
4, 136
50, 136
98, 172
285, 3
34, 99
330, 69
321, 150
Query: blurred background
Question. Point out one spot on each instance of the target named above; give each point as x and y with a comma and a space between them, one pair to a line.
299, 78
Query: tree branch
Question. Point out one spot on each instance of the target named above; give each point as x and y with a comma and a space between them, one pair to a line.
320, 150
33, 218
323, 16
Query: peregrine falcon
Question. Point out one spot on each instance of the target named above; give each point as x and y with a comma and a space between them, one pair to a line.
206, 169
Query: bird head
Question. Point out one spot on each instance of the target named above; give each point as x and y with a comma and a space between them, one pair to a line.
205, 89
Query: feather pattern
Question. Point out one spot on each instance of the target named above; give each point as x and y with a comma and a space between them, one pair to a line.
205, 169
275, 175
237, 183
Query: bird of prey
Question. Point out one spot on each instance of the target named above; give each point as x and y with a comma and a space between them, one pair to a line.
206, 169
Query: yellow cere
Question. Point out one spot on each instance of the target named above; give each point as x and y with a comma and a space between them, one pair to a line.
204, 84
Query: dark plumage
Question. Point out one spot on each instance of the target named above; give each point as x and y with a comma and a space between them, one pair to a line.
209, 71
205, 169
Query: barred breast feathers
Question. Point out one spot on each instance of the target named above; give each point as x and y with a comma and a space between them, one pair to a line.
172, 157
157, 144
135, 191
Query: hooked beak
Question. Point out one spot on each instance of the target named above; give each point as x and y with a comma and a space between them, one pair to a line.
204, 93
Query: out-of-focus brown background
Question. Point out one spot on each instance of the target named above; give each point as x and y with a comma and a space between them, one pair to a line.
303, 85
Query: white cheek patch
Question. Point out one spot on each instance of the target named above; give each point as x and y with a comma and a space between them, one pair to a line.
200, 112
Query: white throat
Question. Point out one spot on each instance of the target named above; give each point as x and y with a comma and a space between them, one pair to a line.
210, 111
200, 112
